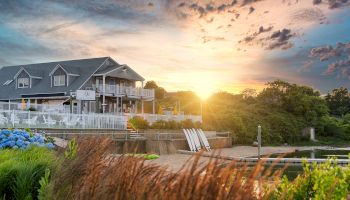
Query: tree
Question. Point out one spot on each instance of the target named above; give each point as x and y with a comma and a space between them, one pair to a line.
338, 101
159, 91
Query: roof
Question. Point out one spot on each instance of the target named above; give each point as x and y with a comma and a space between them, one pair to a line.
120, 71
85, 68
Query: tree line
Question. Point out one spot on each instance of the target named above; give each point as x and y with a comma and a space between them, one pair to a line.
283, 109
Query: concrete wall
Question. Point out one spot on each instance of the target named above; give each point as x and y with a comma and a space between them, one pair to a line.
150, 143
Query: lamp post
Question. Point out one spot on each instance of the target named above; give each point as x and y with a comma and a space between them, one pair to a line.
259, 141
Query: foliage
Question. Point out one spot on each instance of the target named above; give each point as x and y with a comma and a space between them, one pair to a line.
339, 101
318, 181
160, 124
72, 149
21, 170
32, 109
130, 177
20, 139
159, 91
44, 183
283, 110
139, 123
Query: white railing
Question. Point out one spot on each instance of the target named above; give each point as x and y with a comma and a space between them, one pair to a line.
120, 90
28, 119
38, 107
151, 118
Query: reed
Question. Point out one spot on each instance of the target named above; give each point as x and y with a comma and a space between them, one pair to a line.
95, 174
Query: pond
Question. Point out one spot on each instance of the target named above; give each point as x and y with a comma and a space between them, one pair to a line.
292, 171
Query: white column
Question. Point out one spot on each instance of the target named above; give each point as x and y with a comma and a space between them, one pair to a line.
117, 105
142, 110
154, 106
104, 93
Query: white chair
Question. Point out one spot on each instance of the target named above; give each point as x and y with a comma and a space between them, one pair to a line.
70, 122
14, 119
3, 119
49, 121
32, 121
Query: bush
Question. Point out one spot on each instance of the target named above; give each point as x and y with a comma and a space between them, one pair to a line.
139, 123
21, 170
319, 181
20, 139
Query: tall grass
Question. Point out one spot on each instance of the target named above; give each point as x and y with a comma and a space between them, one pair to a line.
21, 170
94, 174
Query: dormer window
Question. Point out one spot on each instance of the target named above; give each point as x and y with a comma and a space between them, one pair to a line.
59, 80
23, 83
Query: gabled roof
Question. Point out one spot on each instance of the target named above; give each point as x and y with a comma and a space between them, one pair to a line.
71, 71
85, 67
31, 73
120, 71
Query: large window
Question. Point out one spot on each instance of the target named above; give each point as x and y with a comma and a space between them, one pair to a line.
59, 80
23, 82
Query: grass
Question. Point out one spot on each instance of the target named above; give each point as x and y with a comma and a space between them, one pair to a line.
21, 170
95, 174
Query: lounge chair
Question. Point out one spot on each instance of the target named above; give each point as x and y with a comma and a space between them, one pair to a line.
32, 121
14, 119
49, 121
3, 119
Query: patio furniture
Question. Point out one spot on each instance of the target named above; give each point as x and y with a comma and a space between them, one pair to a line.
49, 121
14, 119
68, 121
3, 119
32, 121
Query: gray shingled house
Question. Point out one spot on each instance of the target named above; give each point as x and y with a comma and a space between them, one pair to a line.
113, 85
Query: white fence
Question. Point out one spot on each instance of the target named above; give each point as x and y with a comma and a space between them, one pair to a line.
37, 107
28, 119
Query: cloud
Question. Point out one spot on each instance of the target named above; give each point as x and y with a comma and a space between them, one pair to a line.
60, 26
337, 57
279, 39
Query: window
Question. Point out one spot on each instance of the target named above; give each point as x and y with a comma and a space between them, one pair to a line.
23, 82
59, 80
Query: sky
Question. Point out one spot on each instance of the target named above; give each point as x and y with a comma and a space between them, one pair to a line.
205, 46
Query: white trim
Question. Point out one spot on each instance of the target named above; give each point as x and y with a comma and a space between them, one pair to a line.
94, 72
20, 71
54, 70
30, 76
112, 70
65, 71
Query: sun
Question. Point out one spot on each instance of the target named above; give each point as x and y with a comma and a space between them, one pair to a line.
204, 93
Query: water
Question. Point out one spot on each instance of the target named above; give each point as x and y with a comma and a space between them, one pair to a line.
292, 171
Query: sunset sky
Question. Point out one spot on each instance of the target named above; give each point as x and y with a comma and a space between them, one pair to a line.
204, 46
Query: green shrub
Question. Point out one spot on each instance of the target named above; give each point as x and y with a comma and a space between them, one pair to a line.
160, 124
21, 170
318, 181
139, 123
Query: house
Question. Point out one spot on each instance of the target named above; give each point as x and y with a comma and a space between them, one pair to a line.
98, 85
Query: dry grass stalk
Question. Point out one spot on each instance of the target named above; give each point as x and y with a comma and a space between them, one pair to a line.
96, 175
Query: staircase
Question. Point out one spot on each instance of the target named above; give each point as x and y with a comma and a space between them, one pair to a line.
133, 132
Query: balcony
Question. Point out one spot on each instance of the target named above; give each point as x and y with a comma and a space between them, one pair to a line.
131, 92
